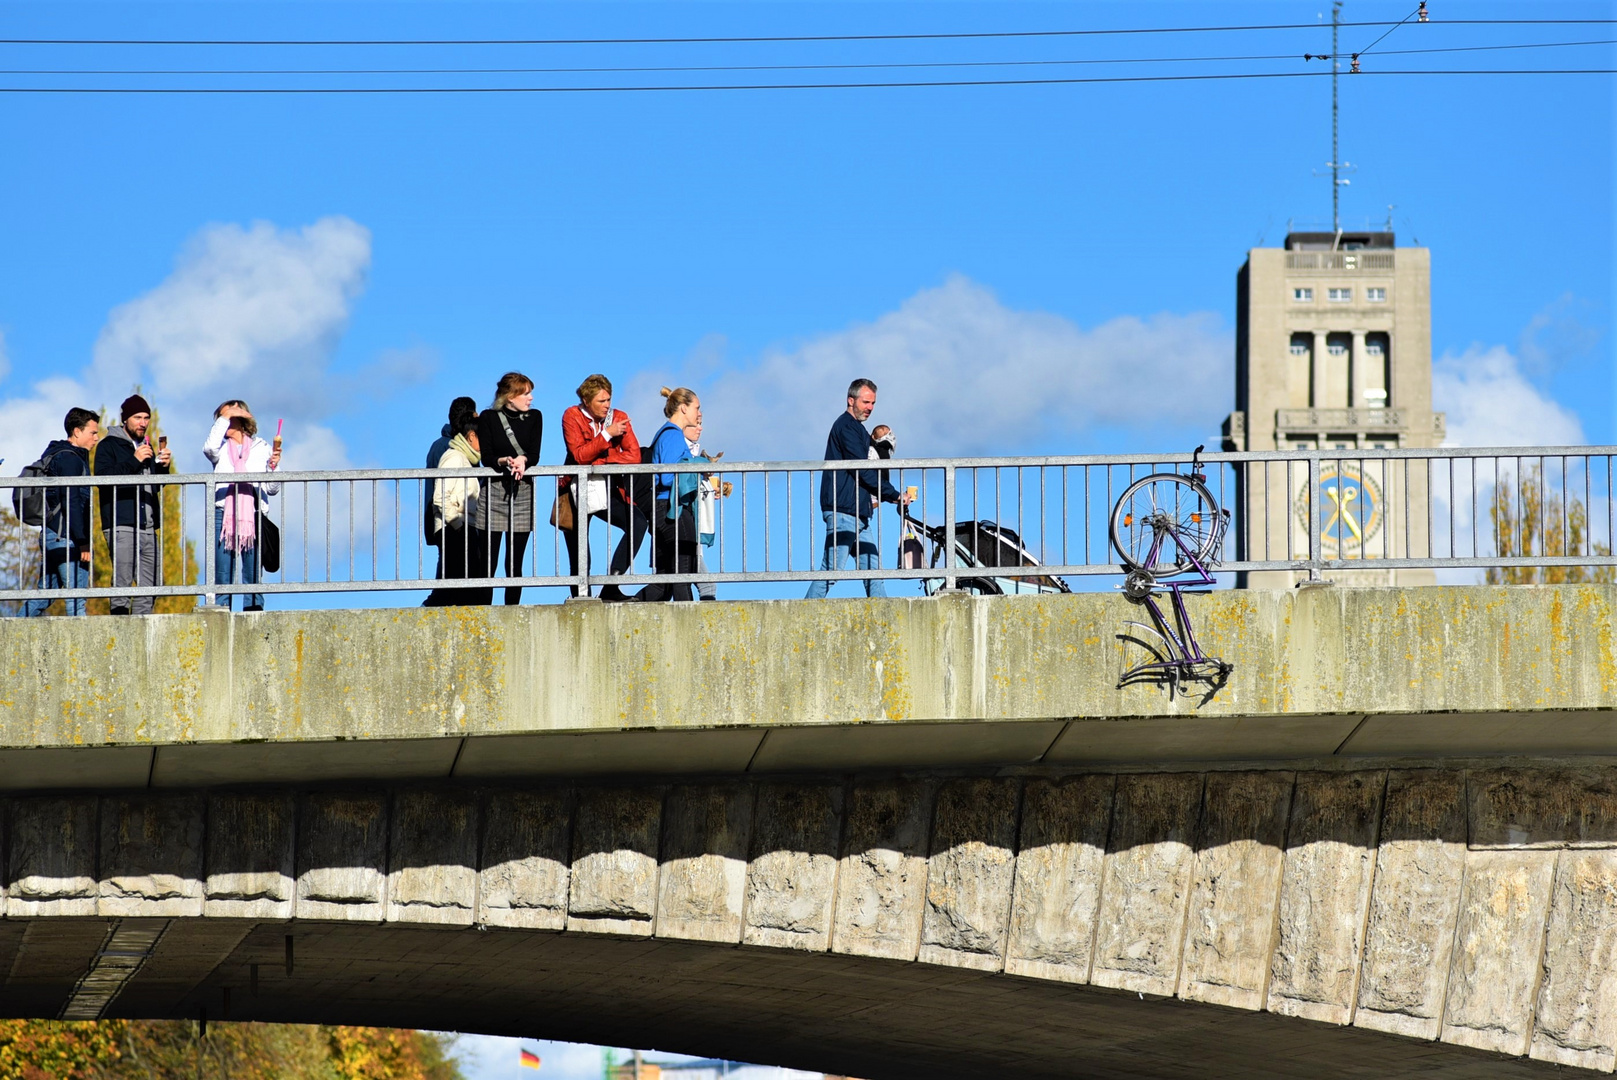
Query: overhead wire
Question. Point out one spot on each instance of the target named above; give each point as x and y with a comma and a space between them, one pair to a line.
693, 68
718, 87
1390, 29
781, 38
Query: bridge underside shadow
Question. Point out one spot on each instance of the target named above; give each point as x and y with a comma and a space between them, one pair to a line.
856, 1015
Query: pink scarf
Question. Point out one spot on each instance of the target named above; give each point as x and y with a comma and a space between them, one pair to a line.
240, 501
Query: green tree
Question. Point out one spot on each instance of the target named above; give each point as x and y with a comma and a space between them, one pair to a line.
1532, 519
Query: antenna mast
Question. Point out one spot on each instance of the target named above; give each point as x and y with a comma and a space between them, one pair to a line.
1336, 160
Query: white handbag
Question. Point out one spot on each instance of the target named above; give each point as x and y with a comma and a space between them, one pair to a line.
596, 497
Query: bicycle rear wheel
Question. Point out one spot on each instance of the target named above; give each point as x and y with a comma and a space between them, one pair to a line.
1161, 521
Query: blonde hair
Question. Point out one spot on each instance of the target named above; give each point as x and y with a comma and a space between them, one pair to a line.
678, 398
510, 385
592, 386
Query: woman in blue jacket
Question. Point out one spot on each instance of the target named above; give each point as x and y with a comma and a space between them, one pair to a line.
673, 545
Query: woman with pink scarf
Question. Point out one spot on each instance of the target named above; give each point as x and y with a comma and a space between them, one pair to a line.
234, 447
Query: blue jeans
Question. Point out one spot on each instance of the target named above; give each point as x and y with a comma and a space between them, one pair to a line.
224, 565
63, 570
845, 535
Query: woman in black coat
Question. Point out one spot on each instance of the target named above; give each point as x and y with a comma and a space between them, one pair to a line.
509, 432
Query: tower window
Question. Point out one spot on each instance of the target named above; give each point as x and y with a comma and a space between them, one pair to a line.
1339, 296
1299, 345
1376, 294
1302, 294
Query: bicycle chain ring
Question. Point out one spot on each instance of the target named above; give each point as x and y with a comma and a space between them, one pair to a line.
1139, 584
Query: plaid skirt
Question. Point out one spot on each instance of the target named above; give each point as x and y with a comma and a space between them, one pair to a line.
500, 510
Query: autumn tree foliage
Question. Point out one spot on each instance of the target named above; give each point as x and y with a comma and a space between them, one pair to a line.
178, 1050
1533, 518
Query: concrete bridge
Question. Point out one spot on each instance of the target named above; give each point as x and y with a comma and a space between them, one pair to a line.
880, 838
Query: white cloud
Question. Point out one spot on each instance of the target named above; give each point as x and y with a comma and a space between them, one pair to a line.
1491, 403
961, 373
255, 313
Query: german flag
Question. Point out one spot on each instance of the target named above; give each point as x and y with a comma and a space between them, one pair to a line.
528, 1060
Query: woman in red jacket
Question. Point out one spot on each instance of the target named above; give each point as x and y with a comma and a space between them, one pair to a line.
598, 434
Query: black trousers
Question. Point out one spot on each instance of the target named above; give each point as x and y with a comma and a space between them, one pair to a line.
673, 551
461, 554
624, 515
513, 562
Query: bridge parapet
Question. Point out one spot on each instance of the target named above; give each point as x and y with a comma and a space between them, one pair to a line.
1466, 908
192, 700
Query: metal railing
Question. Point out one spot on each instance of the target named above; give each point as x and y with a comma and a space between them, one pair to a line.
1542, 513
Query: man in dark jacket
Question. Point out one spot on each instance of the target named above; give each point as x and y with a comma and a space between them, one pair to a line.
66, 537
846, 496
131, 516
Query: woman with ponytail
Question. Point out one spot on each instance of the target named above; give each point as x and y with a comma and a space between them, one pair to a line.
673, 546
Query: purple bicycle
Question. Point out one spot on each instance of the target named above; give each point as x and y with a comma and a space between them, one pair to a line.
1167, 526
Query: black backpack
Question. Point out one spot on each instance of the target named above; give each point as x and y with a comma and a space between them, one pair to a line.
29, 503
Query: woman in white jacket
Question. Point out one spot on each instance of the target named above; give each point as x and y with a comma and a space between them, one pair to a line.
463, 544
234, 447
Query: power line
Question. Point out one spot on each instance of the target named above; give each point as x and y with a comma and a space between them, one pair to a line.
760, 86
974, 35
1418, 11
766, 67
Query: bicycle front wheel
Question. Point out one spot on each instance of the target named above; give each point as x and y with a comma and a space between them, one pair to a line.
1162, 522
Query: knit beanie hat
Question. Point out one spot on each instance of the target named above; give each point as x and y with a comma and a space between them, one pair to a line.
133, 404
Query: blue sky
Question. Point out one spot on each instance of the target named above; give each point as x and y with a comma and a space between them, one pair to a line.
1024, 265
1028, 268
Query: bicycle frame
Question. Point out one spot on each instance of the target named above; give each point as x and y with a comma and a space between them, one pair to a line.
1185, 657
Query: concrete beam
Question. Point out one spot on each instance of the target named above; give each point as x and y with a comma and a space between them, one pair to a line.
579, 690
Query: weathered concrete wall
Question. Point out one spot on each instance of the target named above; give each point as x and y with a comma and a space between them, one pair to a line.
573, 689
1476, 908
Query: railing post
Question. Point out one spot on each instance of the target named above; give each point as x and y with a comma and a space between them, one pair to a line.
948, 527
581, 526
210, 495
1314, 567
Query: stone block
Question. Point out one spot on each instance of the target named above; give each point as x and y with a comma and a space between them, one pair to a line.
703, 876
52, 856
151, 856
1499, 940
792, 876
250, 855
1594, 807
1420, 862
342, 856
1576, 1017
613, 885
1140, 930
524, 876
1235, 888
433, 853
1061, 854
881, 879
1520, 808
1325, 894
970, 873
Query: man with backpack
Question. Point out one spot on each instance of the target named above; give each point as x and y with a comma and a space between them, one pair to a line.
131, 516
64, 512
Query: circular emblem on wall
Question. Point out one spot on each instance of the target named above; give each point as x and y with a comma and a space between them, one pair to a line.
1349, 513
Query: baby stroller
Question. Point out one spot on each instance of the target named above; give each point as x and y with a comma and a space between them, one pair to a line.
976, 544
